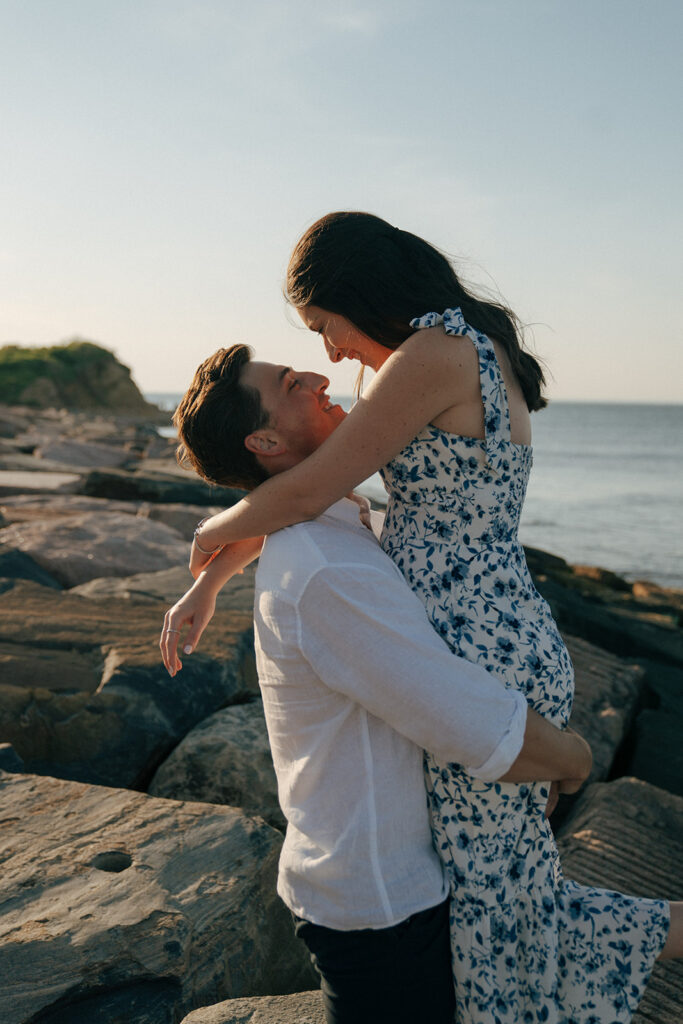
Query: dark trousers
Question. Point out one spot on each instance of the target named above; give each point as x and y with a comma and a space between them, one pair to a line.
398, 975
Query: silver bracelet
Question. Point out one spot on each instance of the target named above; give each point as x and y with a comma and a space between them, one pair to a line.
195, 536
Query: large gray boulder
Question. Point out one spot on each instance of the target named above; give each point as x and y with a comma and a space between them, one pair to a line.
300, 1008
628, 835
84, 693
78, 548
126, 909
226, 759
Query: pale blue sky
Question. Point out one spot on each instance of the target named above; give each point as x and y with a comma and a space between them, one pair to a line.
161, 157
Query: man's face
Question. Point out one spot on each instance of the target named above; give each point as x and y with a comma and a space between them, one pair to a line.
298, 405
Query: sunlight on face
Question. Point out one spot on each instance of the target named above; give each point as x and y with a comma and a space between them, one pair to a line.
342, 340
299, 408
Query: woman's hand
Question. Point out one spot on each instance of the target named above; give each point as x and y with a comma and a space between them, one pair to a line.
550, 754
553, 798
364, 508
572, 785
195, 608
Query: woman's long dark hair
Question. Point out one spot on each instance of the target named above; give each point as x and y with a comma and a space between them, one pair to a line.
380, 278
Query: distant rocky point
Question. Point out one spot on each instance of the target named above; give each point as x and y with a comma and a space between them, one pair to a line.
77, 375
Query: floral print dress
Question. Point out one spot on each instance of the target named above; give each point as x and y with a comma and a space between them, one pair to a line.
527, 945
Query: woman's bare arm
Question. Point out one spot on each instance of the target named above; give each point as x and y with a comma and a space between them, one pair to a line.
196, 607
551, 755
427, 375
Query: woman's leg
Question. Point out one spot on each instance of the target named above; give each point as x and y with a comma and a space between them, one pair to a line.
673, 946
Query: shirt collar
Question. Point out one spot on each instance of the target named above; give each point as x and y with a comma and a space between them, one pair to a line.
345, 510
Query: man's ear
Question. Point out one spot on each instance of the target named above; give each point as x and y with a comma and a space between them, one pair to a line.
264, 443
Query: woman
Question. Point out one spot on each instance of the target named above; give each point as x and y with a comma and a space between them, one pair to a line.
447, 417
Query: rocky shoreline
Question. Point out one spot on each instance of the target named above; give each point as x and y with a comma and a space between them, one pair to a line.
141, 828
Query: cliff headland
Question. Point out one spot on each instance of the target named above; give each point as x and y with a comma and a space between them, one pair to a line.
78, 375
141, 827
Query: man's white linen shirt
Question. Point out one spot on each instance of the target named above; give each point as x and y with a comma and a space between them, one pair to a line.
355, 683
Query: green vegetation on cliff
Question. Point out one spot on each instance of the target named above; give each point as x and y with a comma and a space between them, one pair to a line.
20, 367
76, 375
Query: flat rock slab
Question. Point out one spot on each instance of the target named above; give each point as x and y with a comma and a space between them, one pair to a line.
171, 485
116, 901
607, 690
20, 508
180, 517
225, 759
300, 1008
88, 455
21, 462
57, 671
24, 508
107, 426
84, 693
17, 565
18, 481
628, 835
168, 586
78, 548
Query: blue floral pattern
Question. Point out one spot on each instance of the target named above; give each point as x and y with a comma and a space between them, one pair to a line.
527, 945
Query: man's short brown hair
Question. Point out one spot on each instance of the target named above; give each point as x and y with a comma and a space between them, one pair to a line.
215, 415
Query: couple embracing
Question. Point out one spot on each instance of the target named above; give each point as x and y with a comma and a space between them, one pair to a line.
424, 660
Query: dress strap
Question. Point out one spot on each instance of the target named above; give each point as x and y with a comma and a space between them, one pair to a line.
493, 393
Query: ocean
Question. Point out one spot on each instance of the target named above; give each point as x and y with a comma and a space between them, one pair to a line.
606, 488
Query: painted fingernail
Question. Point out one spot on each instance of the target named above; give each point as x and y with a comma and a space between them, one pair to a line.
187, 649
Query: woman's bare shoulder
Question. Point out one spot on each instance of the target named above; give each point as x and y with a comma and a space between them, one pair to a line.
452, 357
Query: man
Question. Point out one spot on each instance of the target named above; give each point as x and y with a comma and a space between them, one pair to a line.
355, 685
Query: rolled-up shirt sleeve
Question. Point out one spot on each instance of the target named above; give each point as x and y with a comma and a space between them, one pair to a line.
366, 635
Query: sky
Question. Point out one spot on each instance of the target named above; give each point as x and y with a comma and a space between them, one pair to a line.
160, 158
